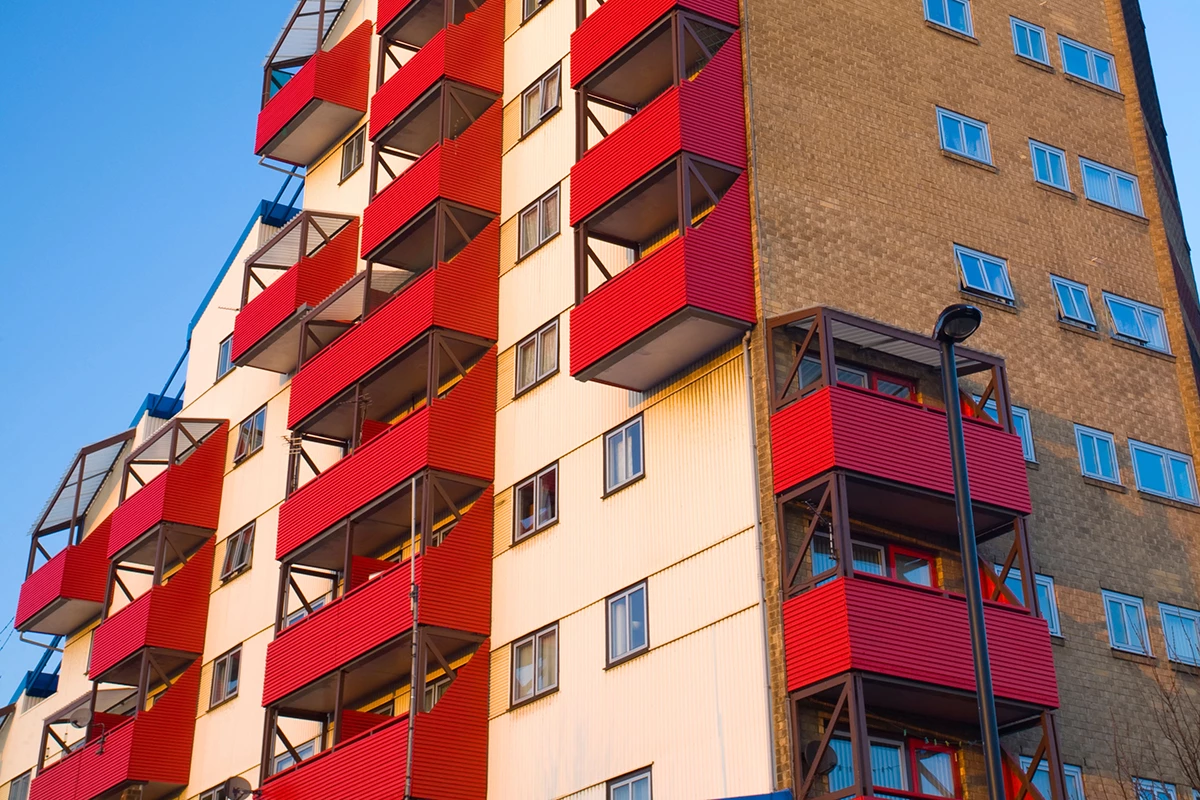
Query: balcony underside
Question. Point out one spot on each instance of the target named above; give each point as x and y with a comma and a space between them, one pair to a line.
314, 129
66, 592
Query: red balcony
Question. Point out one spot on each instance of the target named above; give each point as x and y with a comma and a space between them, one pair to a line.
617, 23
672, 307
67, 591
455, 581
465, 171
319, 104
152, 748
454, 434
316, 253
894, 440
187, 493
914, 646
449, 751
456, 295
169, 618
470, 52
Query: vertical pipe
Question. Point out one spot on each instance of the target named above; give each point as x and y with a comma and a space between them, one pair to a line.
412, 680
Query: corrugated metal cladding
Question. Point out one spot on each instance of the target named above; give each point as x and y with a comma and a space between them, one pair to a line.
721, 703
696, 438
543, 36
596, 792
536, 293
79, 572
544, 159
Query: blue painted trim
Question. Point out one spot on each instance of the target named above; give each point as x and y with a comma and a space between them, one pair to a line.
159, 407
31, 676
783, 794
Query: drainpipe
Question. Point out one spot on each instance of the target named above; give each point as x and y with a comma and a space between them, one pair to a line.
413, 593
758, 541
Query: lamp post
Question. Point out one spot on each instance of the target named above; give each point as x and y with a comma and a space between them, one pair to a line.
955, 325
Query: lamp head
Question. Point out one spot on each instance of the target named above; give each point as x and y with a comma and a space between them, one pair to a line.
957, 323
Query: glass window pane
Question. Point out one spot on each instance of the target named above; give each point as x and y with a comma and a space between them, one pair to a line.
1097, 185
935, 11
1116, 623
547, 492
892, 388
1021, 40
1152, 328
550, 216
822, 555
1181, 636
887, 765
842, 775
523, 670
526, 363
1075, 60
550, 93
869, 559
618, 628
958, 15
616, 455
1104, 71
533, 107
1087, 454
972, 269
952, 137
634, 436
525, 508
810, 371
547, 654
1083, 308
1041, 165
1037, 45
637, 619
852, 377
548, 351
1058, 172
529, 230
1126, 320
1066, 301
976, 142
913, 569
641, 788
1182, 481
621, 792
934, 772
1107, 459
1151, 471
1127, 195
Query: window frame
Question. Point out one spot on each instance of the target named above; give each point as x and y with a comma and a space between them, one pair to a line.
1055, 282
215, 793
969, 32
253, 446
1167, 457
225, 363
930, 560
1114, 176
538, 5
960, 251
1015, 23
963, 120
1126, 600
1096, 433
1049, 149
628, 779
1073, 773
348, 147
1109, 298
545, 236
27, 776
534, 638
1185, 615
544, 114
1018, 413
621, 429
234, 654
1053, 621
538, 377
609, 659
538, 526
1091, 53
243, 537
276, 769
1152, 788
913, 746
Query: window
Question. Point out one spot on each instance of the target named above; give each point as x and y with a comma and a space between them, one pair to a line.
1163, 472
953, 14
913, 766
1088, 63
215, 793
285, 760
1097, 454
531, 7
1046, 599
250, 435
630, 787
886, 561
535, 665
1111, 187
434, 692
627, 634
541, 100
238, 549
19, 788
1181, 629
1050, 165
1137, 323
847, 375
537, 357
536, 505
1021, 425
1029, 41
538, 223
1074, 304
983, 273
302, 612
1041, 778
352, 153
1154, 790
226, 672
964, 136
1126, 623
623, 455
225, 357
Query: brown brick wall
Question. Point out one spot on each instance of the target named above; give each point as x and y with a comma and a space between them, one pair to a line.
857, 208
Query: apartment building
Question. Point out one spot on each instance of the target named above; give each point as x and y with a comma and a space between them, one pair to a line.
579, 434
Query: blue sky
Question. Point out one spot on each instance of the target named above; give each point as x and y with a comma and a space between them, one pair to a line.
129, 173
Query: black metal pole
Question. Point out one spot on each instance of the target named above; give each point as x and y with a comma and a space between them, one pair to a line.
970, 560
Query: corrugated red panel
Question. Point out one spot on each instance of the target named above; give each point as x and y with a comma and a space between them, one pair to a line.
388, 10
465, 170
455, 434
895, 440
341, 76
79, 572
618, 22
704, 116
710, 268
171, 616
460, 295
471, 52
187, 493
917, 634
306, 283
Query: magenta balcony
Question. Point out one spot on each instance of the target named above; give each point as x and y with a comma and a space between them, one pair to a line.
67, 591
319, 104
308, 259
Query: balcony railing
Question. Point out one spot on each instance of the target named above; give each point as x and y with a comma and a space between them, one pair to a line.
68, 591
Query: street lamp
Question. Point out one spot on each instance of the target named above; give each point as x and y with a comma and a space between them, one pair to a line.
955, 325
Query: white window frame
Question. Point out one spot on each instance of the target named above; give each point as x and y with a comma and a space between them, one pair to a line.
1055, 283
629, 780
960, 251
302, 613
535, 483
553, 77
536, 638
253, 431
612, 658
1099, 435
623, 430
1140, 308
1114, 177
1167, 457
549, 225
1185, 615
1092, 54
354, 154
1050, 150
970, 31
538, 352
1126, 602
239, 552
225, 357
221, 691
1020, 24
962, 120
1018, 413
1073, 773
1153, 790
310, 745
1047, 583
